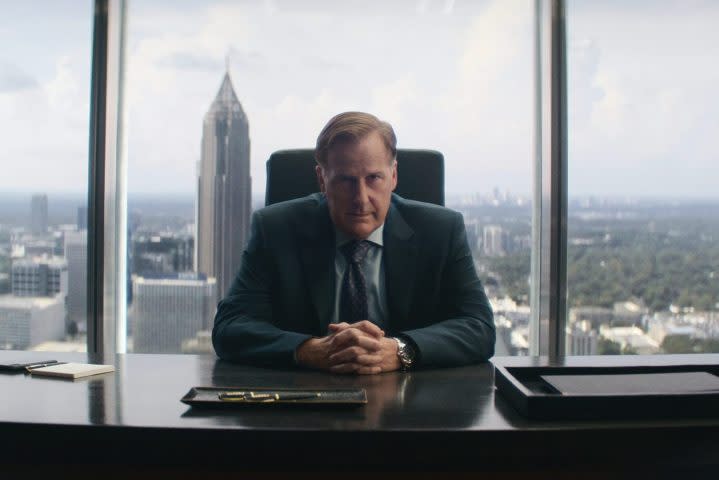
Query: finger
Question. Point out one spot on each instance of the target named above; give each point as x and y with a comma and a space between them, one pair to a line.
369, 370
350, 338
365, 326
368, 327
337, 327
351, 368
344, 368
356, 355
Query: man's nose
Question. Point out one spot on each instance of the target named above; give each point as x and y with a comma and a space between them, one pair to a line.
361, 192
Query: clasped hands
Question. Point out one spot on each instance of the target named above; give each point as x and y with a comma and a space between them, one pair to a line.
359, 348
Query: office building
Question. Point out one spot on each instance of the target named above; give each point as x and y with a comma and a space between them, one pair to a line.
581, 339
597, 316
28, 321
38, 248
82, 218
169, 309
630, 339
76, 257
162, 253
494, 241
223, 188
38, 214
39, 277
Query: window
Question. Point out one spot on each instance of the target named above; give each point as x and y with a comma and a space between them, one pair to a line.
452, 76
643, 219
44, 111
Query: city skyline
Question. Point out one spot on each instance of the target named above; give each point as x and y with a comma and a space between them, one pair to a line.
654, 297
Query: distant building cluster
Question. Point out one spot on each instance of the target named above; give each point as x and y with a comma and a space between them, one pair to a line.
627, 328
41, 287
494, 240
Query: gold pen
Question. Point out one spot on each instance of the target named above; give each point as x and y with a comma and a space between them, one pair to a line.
241, 396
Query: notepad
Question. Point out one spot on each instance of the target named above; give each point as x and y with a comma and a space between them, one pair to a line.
635, 383
72, 370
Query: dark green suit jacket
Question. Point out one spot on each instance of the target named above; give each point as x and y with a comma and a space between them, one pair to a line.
284, 291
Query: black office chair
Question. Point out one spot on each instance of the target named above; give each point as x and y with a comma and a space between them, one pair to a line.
291, 174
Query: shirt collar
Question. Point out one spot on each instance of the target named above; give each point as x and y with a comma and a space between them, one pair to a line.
375, 237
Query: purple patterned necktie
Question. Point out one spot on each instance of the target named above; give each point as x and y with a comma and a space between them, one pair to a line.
353, 300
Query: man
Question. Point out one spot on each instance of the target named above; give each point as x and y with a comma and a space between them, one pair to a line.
356, 279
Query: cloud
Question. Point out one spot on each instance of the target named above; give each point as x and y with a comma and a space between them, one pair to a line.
642, 108
488, 106
641, 86
47, 130
14, 79
188, 61
394, 100
422, 74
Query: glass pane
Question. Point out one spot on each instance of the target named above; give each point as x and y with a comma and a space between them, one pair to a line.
644, 211
44, 115
452, 76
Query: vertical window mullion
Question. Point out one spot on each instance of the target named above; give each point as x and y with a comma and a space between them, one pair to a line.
106, 190
549, 261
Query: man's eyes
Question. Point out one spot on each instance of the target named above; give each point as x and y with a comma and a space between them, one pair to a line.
370, 178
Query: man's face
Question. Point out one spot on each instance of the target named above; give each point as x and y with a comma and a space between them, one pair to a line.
358, 182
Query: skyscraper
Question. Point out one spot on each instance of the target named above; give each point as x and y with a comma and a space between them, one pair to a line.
494, 242
39, 277
223, 188
76, 257
169, 309
38, 214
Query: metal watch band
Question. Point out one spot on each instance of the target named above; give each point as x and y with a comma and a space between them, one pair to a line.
405, 353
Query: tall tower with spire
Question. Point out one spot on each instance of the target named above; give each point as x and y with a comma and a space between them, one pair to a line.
223, 188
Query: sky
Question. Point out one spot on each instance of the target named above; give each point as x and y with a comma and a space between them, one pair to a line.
456, 76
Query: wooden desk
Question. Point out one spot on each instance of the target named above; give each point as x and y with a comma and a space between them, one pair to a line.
431, 420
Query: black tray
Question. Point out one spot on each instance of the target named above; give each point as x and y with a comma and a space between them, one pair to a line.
534, 398
338, 397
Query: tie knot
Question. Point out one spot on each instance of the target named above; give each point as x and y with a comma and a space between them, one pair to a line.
355, 250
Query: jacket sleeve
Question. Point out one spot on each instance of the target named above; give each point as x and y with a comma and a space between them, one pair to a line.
244, 330
465, 332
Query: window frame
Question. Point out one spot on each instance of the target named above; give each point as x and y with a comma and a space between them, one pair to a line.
107, 183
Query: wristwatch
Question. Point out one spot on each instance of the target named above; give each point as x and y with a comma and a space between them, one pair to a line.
405, 353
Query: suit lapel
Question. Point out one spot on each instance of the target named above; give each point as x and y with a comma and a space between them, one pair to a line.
317, 254
400, 257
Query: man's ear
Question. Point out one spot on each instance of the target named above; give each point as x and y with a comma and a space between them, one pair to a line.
320, 178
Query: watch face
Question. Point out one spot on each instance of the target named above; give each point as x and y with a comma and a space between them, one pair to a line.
405, 354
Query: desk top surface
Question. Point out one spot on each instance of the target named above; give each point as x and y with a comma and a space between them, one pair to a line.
145, 391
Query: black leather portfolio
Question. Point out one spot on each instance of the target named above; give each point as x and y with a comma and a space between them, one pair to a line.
634, 383
259, 396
